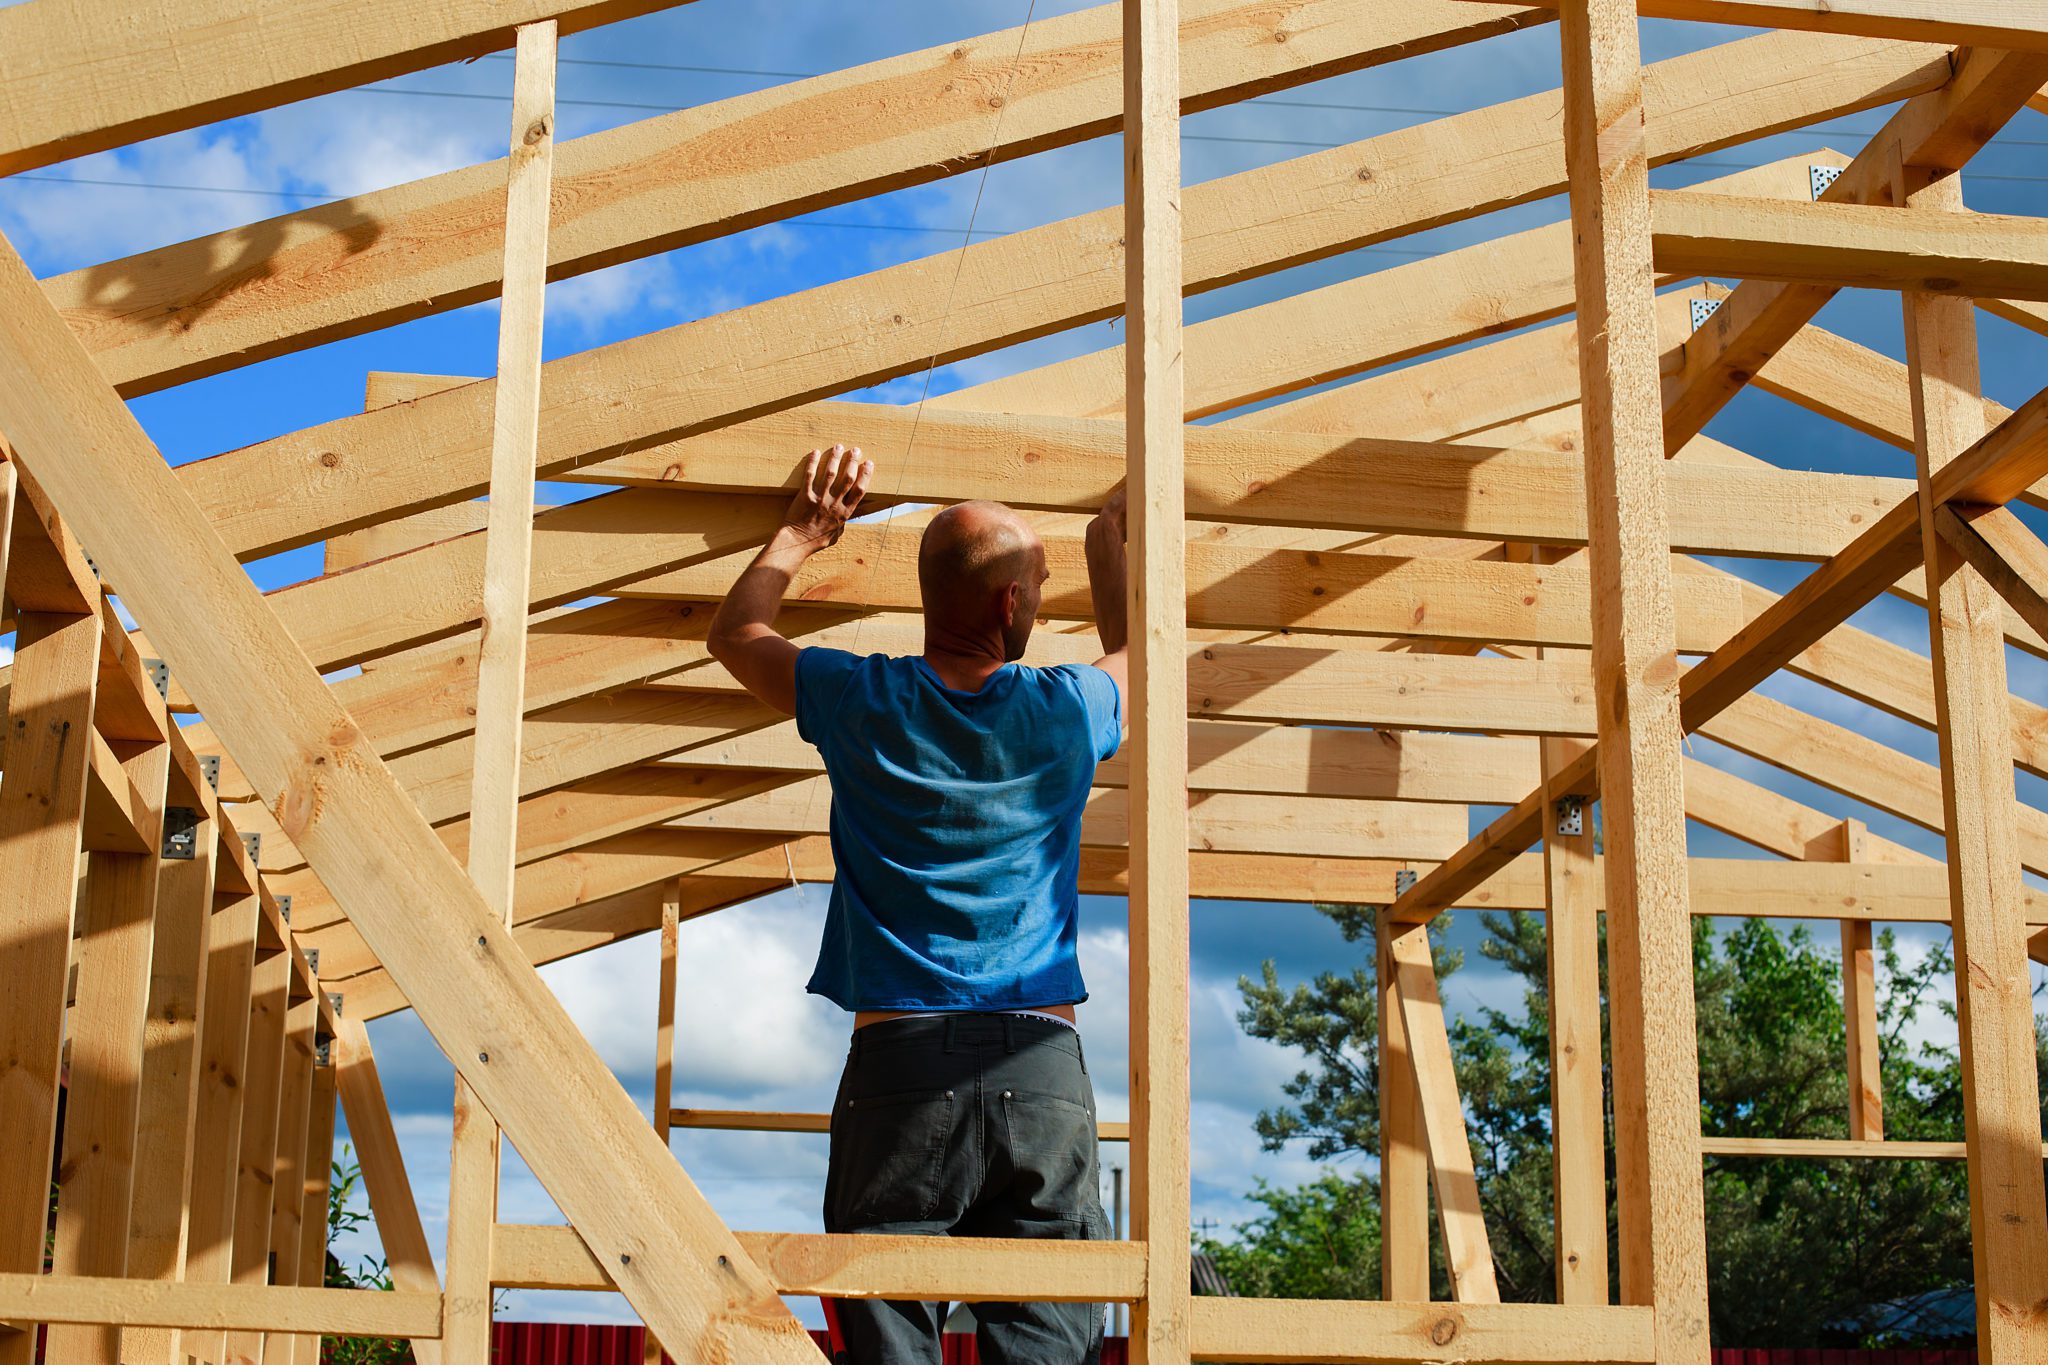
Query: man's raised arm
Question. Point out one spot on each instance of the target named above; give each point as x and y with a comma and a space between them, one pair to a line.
1106, 586
743, 635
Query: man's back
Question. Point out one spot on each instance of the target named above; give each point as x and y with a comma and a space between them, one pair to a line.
955, 828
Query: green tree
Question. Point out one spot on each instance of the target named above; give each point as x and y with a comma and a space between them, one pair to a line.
1792, 1245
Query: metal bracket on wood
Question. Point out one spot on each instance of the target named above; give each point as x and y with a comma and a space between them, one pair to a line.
181, 833
1571, 815
159, 673
1404, 881
209, 767
313, 961
1701, 310
254, 843
323, 1050
334, 999
1821, 178
284, 908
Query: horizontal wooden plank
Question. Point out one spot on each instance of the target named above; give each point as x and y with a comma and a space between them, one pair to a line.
762, 1121
1830, 1149
245, 1307
1979, 255
1982, 23
86, 75
1319, 1331
959, 1269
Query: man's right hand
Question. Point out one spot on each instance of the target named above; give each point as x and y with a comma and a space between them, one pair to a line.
1106, 586
828, 493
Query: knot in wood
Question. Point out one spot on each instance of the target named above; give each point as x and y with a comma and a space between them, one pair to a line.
1443, 1331
539, 129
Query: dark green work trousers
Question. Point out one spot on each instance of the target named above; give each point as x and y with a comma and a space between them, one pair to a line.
979, 1125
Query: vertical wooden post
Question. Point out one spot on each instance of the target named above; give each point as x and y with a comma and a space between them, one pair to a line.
105, 1094
389, 1189
263, 1079
1161, 1178
1859, 1010
223, 1053
665, 1008
42, 800
1404, 1158
288, 1188
1635, 682
1468, 1255
665, 1042
1973, 710
319, 1178
165, 1132
1578, 1107
501, 656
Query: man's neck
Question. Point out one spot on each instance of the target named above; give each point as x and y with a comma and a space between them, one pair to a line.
963, 665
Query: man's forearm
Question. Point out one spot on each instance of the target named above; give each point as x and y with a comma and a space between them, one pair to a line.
756, 598
1107, 574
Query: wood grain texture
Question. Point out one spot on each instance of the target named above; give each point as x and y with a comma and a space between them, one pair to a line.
42, 802
2001, 1111
1154, 226
77, 87
1660, 1208
341, 805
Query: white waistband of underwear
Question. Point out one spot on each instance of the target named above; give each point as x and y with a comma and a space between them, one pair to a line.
1046, 1015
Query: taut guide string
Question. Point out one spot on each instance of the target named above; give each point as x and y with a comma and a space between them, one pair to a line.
931, 366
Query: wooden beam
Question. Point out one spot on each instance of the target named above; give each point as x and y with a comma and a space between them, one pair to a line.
313, 1203
1994, 1010
263, 1075
961, 1269
1468, 1257
167, 1134
1859, 1009
1978, 23
380, 258
1404, 1144
288, 1171
300, 488
1832, 1149
224, 1045
340, 804
385, 1182
2006, 555
493, 828
1978, 255
42, 802
1153, 225
764, 1121
79, 88
103, 1105
117, 1302
1578, 1098
1662, 1242
1322, 1332
1939, 130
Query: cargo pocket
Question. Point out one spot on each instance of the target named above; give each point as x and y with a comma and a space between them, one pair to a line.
891, 1154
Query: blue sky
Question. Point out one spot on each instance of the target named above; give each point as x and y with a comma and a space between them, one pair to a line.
749, 1037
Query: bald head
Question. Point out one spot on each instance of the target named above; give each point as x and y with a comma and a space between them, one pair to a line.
979, 568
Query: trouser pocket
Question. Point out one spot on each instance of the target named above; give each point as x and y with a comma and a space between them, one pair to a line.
888, 1157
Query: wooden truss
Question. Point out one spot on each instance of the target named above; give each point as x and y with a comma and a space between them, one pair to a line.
1471, 578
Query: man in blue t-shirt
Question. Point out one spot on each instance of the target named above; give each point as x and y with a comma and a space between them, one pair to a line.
958, 780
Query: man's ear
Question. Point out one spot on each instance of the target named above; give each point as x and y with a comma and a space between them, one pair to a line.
1013, 597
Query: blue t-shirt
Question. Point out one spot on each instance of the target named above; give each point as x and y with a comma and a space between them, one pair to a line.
956, 828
